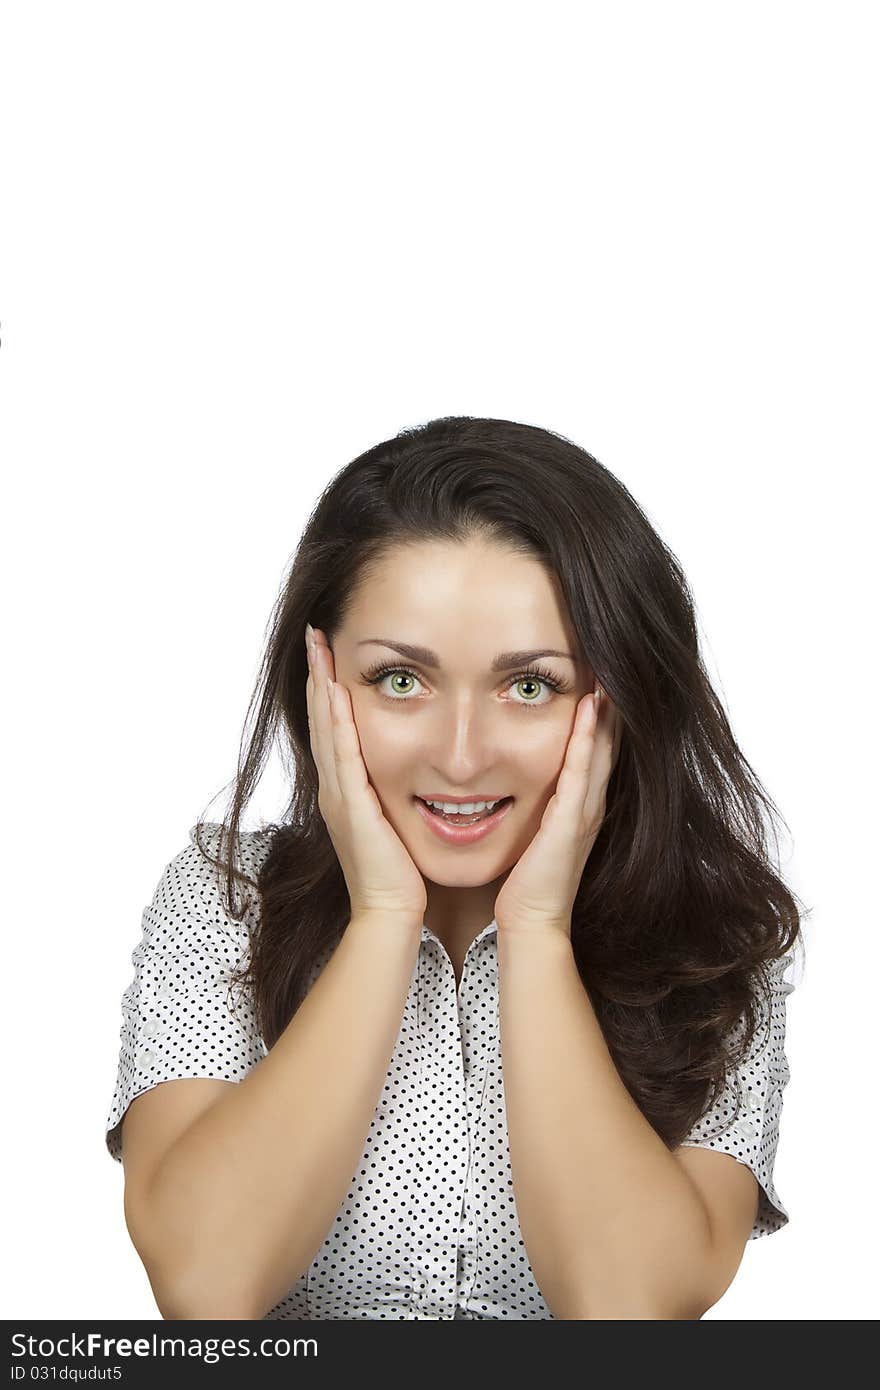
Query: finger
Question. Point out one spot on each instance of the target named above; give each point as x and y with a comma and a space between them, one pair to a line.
606, 753
320, 723
607, 739
573, 784
590, 758
618, 736
351, 771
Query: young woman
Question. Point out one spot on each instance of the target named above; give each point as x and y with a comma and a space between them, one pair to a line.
521, 1061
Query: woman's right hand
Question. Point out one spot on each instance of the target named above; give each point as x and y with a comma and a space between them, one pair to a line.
382, 880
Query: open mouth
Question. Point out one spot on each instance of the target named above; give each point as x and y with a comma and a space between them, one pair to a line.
457, 830
457, 819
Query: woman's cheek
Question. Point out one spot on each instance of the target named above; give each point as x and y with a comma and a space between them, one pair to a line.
380, 745
546, 749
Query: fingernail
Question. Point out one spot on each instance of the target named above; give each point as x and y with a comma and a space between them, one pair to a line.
597, 696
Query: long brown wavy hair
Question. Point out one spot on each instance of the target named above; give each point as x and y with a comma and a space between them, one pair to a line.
679, 914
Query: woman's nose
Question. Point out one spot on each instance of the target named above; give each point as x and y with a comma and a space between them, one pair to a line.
465, 738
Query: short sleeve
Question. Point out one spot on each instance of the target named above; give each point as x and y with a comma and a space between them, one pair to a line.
752, 1138
180, 1018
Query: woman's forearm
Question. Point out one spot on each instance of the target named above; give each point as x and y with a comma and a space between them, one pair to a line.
245, 1197
611, 1224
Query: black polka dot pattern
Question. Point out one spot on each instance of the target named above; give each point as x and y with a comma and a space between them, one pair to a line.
428, 1229
176, 1021
755, 1091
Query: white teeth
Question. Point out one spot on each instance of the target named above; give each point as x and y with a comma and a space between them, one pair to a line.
467, 809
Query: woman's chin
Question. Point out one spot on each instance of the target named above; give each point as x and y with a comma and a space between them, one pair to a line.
436, 869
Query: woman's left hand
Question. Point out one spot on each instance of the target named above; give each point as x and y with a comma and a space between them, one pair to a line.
540, 889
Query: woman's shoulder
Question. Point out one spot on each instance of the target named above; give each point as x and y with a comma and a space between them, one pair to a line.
254, 846
192, 888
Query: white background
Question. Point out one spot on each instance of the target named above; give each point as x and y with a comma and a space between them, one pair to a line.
241, 243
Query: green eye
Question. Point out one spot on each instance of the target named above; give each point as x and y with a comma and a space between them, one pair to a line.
528, 680
377, 674
404, 674
538, 676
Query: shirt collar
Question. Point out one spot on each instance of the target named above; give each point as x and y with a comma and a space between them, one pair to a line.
428, 935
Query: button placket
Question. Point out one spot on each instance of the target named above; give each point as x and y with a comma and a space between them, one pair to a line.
451, 1041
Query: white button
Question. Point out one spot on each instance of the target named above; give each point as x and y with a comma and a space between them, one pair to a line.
151, 1028
747, 1128
164, 991
145, 1058
754, 1101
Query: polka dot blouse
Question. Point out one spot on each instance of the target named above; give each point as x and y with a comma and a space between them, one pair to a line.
428, 1228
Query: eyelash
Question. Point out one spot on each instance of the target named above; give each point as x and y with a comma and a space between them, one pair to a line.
382, 669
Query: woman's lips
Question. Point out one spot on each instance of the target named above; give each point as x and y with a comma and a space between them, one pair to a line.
462, 834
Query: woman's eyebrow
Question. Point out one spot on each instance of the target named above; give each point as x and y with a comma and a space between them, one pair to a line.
505, 661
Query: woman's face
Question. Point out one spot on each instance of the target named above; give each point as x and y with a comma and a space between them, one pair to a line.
448, 724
